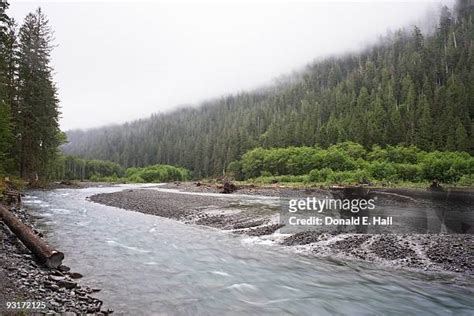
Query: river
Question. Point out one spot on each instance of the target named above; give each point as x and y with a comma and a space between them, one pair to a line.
151, 265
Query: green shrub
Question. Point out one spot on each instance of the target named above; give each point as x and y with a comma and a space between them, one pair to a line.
377, 154
408, 172
360, 177
235, 169
338, 161
467, 180
135, 178
320, 175
157, 173
349, 177
265, 174
382, 170
447, 167
252, 162
351, 160
131, 171
350, 149
404, 155
102, 168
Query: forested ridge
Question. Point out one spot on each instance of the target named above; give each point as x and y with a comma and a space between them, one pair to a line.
29, 106
409, 89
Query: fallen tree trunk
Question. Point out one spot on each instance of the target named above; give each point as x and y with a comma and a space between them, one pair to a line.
45, 254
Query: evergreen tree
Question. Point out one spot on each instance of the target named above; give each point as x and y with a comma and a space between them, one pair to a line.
5, 123
376, 123
38, 111
408, 110
462, 140
425, 135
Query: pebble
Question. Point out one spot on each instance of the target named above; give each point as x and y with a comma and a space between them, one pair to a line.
67, 284
75, 275
64, 268
35, 281
56, 278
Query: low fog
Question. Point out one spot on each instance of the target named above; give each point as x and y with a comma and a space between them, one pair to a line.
119, 61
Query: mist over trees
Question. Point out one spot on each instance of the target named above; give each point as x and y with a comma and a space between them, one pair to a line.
409, 89
29, 109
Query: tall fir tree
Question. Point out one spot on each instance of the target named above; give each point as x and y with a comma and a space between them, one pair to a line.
38, 112
462, 141
5, 109
425, 134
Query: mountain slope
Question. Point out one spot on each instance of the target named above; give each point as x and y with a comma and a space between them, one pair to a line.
408, 89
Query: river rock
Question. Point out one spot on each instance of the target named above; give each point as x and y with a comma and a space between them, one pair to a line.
56, 278
64, 268
56, 272
67, 284
75, 275
52, 287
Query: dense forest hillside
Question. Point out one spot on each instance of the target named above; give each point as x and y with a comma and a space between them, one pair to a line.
409, 89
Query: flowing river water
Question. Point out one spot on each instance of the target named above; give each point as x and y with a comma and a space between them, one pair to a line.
151, 265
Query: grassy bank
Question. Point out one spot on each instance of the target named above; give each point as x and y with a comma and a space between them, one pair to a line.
264, 182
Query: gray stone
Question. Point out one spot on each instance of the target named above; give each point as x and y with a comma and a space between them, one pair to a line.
64, 268
75, 275
56, 278
67, 284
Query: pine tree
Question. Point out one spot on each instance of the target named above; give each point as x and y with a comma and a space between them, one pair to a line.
38, 111
425, 134
358, 121
5, 116
393, 127
376, 123
408, 110
462, 140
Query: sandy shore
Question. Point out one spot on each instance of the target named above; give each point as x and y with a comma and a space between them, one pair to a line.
452, 253
23, 280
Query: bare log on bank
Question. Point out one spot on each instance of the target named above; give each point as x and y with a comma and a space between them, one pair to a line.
45, 254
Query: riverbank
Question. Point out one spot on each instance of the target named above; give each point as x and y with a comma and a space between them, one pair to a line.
28, 287
202, 204
73, 184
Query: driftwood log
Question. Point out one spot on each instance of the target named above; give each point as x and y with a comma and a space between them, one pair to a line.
45, 254
228, 187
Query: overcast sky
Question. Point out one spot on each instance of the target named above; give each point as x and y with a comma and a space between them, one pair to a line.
118, 61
